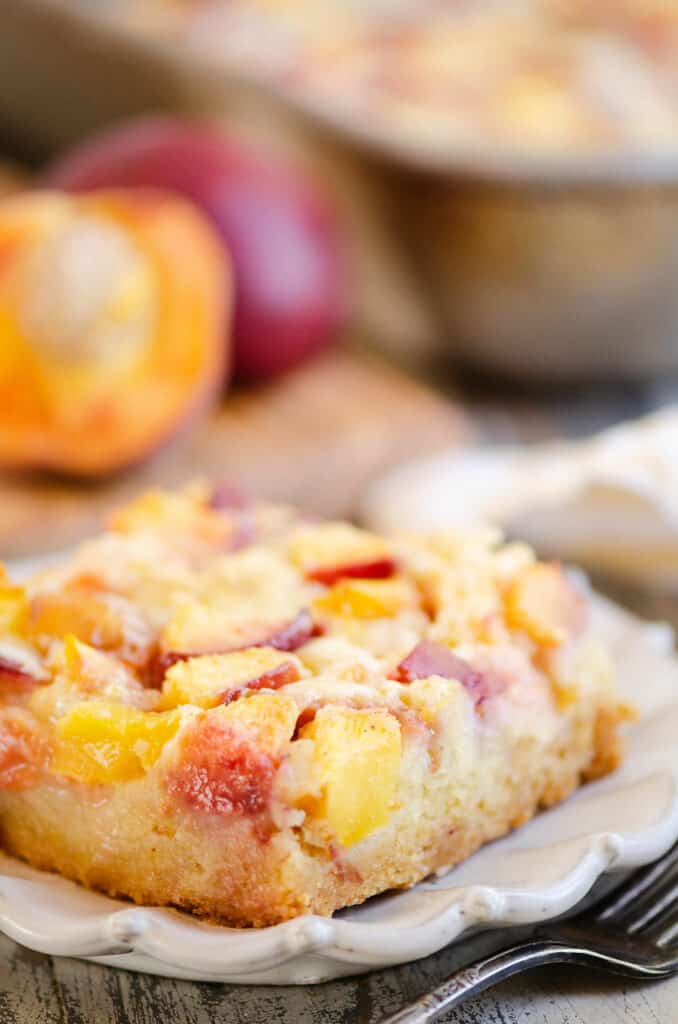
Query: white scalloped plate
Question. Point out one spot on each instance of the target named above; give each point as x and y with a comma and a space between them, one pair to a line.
539, 871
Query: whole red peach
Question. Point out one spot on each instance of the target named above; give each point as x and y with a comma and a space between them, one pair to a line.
277, 222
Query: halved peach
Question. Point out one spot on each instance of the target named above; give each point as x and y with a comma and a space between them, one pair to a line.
113, 311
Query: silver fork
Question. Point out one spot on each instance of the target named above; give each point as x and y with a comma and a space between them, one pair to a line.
633, 931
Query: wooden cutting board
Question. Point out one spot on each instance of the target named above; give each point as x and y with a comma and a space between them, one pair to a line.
315, 438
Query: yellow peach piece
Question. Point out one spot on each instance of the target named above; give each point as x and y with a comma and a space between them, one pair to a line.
335, 544
431, 697
174, 515
203, 681
270, 717
201, 628
80, 613
366, 599
13, 609
544, 604
356, 756
106, 621
81, 672
102, 742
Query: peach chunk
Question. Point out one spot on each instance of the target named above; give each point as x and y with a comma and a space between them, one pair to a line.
429, 659
291, 635
545, 604
11, 669
24, 748
81, 672
228, 758
103, 620
366, 599
15, 678
103, 742
236, 636
356, 756
221, 678
270, 717
330, 552
186, 519
13, 609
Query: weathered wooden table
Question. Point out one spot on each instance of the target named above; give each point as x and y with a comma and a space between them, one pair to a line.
41, 990
36, 989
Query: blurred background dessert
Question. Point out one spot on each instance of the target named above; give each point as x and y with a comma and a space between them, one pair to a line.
400, 192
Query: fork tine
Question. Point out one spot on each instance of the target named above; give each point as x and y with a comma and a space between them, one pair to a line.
665, 902
663, 934
624, 902
659, 923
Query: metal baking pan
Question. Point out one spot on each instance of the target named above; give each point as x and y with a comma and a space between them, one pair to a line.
535, 268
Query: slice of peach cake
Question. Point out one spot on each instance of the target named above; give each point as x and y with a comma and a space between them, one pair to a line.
233, 709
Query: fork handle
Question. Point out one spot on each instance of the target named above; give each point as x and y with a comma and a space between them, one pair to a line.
471, 980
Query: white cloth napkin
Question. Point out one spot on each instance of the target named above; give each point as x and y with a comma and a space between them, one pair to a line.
609, 503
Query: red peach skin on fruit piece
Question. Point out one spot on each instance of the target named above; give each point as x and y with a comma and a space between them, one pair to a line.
431, 659
220, 771
379, 569
287, 637
272, 680
270, 214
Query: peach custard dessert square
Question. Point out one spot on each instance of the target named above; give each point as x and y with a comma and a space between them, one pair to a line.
231, 708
